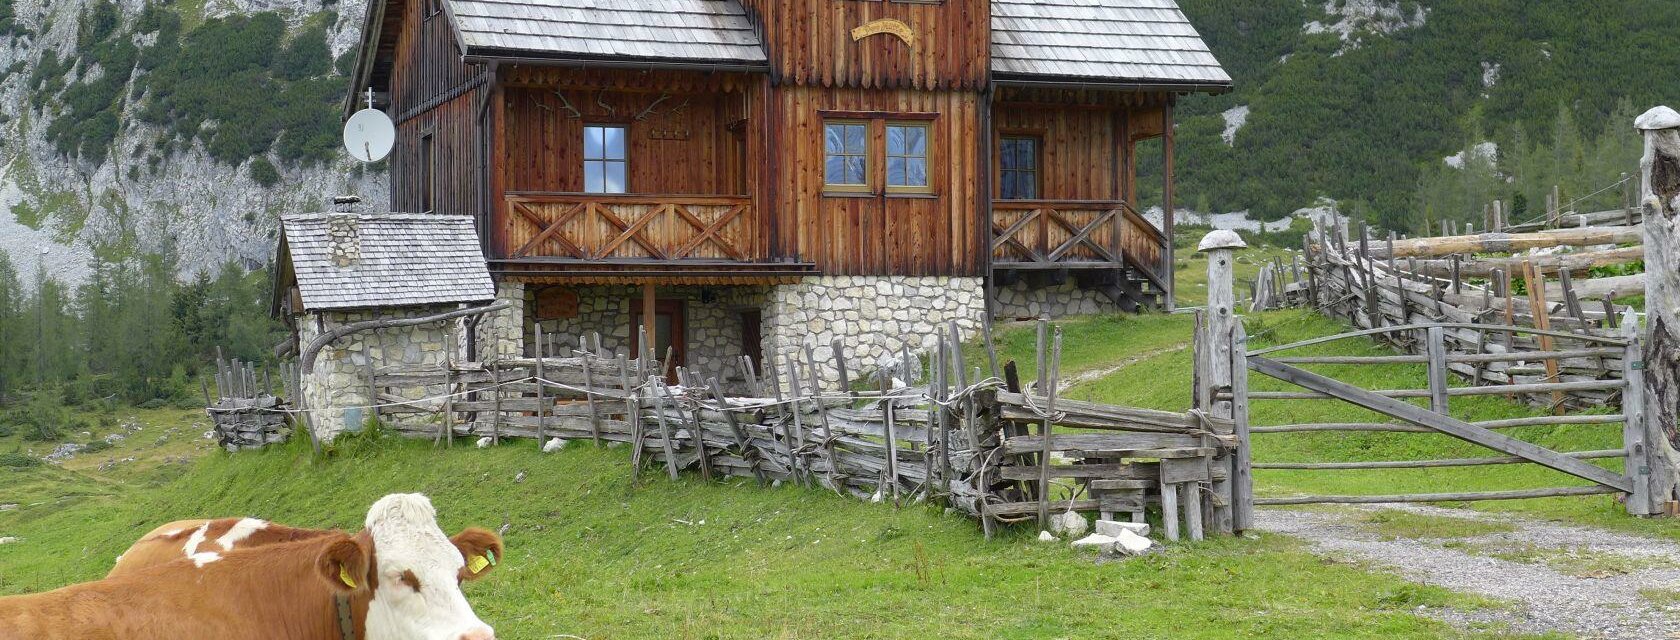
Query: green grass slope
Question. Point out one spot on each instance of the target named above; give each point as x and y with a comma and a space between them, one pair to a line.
593, 555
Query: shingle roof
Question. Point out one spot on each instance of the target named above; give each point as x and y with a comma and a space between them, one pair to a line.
402, 259
1100, 40
657, 30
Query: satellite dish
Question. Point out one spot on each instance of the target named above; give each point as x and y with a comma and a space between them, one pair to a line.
369, 135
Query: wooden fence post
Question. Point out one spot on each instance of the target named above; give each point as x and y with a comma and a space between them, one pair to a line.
1242, 460
1635, 465
1658, 198
1220, 358
1436, 348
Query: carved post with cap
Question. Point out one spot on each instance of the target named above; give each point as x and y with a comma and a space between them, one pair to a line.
1215, 358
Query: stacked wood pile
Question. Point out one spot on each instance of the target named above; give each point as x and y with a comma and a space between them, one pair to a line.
1475, 280
950, 434
244, 413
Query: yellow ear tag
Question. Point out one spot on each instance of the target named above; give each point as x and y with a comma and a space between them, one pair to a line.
477, 564
344, 575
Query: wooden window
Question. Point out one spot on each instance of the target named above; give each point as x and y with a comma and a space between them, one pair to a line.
428, 174
846, 155
907, 157
604, 159
1018, 168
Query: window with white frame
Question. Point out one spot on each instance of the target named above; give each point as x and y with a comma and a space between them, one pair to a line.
604, 159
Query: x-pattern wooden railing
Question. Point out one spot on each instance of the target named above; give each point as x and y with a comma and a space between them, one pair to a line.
1049, 232
602, 226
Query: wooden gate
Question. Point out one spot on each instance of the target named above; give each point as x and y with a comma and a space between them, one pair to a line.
1408, 417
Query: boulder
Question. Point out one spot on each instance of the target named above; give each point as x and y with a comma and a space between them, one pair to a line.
1046, 536
484, 442
1069, 524
553, 445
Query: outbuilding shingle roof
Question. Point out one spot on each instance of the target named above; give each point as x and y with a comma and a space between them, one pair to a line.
715, 31
1114, 41
391, 259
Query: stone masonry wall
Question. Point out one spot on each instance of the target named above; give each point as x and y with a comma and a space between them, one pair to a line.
874, 316
502, 334
1022, 300
712, 323
339, 382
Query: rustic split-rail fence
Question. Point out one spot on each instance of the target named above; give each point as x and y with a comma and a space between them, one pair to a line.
1500, 312
978, 442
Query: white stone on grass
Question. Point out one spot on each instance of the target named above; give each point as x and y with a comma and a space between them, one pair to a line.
553, 445
1046, 536
1130, 543
1113, 528
484, 442
1096, 541
1069, 524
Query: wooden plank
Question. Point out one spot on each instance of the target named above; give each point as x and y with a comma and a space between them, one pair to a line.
1509, 423
1431, 464
1445, 424
664, 427
1242, 462
1470, 496
1437, 350
1169, 510
1634, 447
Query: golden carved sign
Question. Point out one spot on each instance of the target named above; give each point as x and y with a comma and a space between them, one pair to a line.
885, 25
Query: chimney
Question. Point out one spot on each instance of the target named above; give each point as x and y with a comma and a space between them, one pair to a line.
344, 242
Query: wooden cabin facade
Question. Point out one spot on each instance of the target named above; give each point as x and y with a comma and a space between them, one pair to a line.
760, 173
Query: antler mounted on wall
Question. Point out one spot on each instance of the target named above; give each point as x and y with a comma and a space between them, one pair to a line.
567, 105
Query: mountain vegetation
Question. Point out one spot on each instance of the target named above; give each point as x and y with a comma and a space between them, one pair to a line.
132, 334
1362, 102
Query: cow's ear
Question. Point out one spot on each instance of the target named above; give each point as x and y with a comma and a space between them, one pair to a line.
481, 549
344, 564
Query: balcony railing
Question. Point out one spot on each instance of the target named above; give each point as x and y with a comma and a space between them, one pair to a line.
1053, 234
631, 228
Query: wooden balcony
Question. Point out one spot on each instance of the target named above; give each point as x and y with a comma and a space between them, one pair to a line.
1074, 234
641, 235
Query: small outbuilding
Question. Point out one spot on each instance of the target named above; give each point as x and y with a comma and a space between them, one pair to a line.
365, 291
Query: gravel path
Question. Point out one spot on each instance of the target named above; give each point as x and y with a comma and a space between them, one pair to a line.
1546, 600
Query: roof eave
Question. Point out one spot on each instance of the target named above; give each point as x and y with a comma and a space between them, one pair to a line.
517, 56
1126, 84
369, 307
366, 50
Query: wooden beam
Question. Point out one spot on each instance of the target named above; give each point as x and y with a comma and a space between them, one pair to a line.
1521, 494
1510, 242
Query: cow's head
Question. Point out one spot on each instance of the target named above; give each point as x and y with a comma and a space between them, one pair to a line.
414, 571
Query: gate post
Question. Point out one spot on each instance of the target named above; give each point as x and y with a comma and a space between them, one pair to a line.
1220, 245
1659, 196
1636, 465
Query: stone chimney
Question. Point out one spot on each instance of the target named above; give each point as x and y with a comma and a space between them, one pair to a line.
344, 242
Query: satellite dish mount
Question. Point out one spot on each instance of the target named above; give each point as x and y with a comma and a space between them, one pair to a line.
369, 134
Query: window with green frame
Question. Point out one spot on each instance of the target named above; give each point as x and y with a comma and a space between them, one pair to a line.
1018, 168
846, 155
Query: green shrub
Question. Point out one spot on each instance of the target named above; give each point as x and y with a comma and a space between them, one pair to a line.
18, 460
95, 446
264, 172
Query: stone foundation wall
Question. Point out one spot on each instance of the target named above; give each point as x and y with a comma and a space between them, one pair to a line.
338, 385
874, 317
1020, 300
712, 323
502, 334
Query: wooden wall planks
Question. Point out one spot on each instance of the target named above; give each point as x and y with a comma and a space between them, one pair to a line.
810, 43
873, 233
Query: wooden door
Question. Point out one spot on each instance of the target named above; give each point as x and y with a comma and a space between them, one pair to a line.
670, 335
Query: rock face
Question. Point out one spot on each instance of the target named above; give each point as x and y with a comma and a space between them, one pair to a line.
149, 190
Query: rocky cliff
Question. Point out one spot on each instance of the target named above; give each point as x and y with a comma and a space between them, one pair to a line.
132, 126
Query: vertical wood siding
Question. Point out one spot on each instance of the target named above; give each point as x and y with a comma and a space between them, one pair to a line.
937, 234
434, 93
810, 43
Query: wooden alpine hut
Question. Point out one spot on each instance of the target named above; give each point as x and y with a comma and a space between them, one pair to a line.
740, 177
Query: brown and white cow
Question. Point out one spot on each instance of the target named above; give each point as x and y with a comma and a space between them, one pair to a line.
398, 579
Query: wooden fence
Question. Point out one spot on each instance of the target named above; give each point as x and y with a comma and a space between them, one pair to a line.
1560, 329
979, 443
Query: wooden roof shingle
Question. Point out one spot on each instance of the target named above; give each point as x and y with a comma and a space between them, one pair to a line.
1110, 41
711, 31
402, 259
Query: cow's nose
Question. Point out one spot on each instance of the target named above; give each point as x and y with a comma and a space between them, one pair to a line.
481, 633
